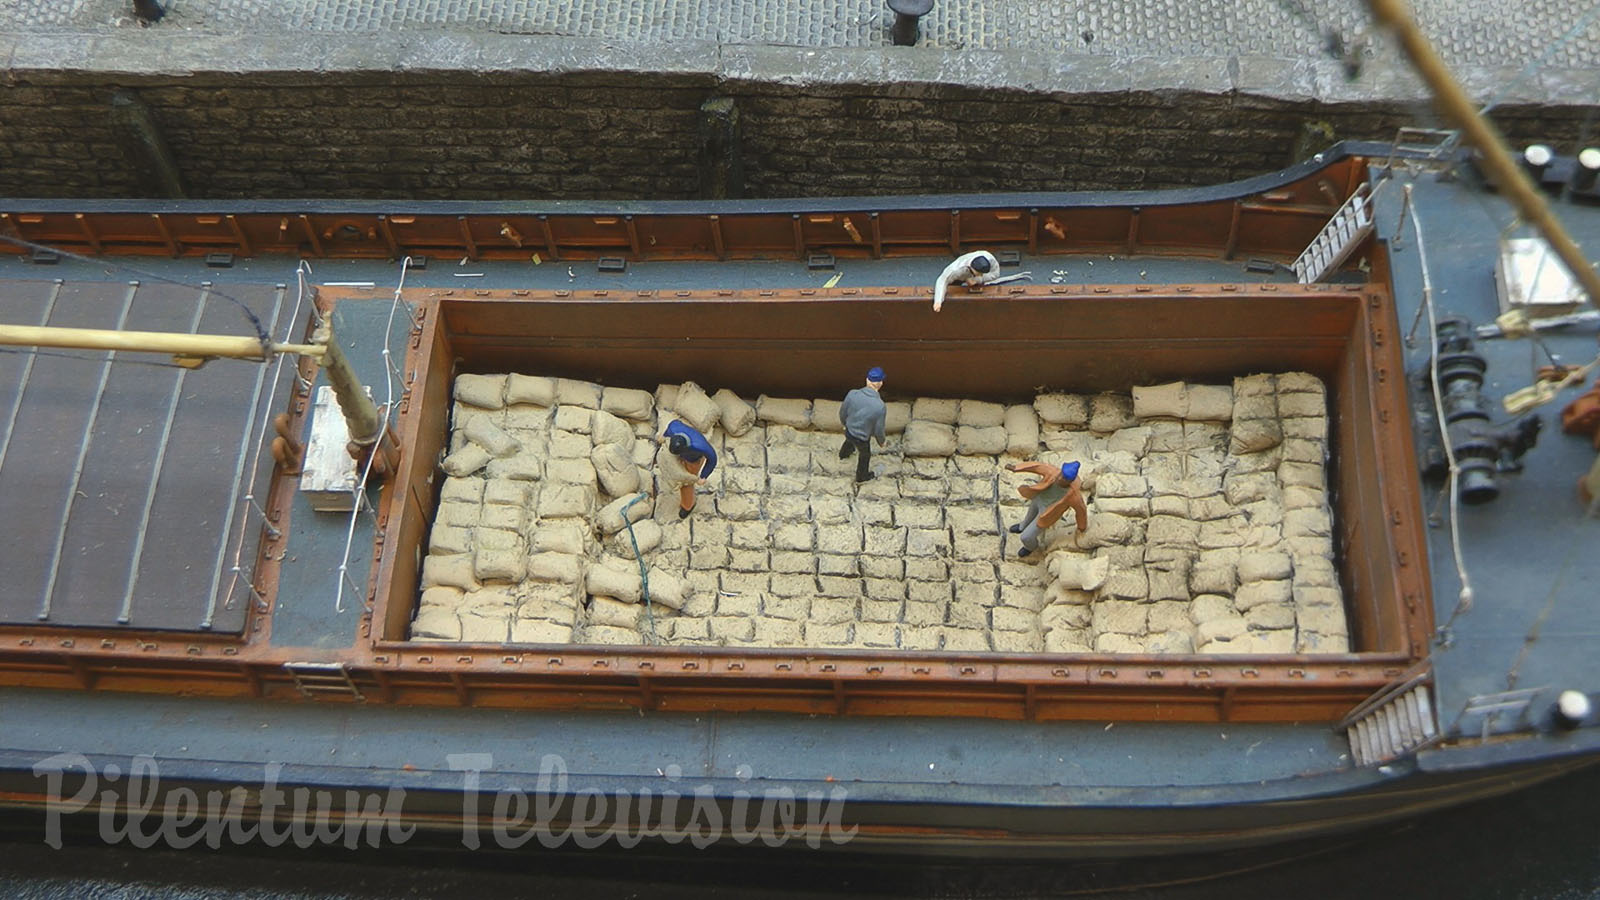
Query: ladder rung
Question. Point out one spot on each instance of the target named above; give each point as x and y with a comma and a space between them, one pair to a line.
1414, 733
1425, 710
1391, 720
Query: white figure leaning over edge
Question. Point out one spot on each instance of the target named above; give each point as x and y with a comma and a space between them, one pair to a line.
971, 269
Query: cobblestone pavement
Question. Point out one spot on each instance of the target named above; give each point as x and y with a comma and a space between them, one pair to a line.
1209, 528
1557, 34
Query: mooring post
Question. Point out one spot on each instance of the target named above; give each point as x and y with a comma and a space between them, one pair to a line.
906, 13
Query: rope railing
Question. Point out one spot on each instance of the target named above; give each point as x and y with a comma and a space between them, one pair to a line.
239, 568
391, 375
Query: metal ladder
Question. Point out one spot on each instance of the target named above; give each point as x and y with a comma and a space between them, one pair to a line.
1338, 239
1393, 722
316, 680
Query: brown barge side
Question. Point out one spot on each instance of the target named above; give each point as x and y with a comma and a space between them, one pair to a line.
789, 341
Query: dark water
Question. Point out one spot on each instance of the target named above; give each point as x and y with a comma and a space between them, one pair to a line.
1539, 844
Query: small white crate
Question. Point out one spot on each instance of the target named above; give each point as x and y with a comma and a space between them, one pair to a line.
1530, 277
329, 476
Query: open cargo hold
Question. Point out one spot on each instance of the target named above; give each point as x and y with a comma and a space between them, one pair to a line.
1001, 348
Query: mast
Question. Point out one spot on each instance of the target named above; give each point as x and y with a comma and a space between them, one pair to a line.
1482, 134
188, 350
1505, 174
367, 430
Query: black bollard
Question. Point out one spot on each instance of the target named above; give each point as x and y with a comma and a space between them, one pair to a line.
1537, 157
906, 14
148, 10
1572, 709
1583, 174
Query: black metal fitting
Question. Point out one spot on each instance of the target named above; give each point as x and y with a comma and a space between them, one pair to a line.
1009, 257
1571, 177
906, 14
1466, 413
611, 264
1571, 710
821, 261
1481, 449
1537, 157
148, 10
1583, 174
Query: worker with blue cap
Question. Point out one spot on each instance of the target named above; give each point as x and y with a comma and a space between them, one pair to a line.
863, 415
1049, 498
685, 459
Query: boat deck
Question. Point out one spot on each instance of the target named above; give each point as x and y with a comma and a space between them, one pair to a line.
1535, 619
1532, 625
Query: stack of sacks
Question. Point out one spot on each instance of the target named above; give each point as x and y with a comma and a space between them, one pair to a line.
1209, 532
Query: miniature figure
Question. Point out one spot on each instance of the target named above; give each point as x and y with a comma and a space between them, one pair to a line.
971, 269
684, 461
863, 415
1049, 498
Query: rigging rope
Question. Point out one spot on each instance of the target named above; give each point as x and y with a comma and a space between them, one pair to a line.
366, 471
34, 351
1579, 538
301, 271
1464, 598
255, 321
1533, 67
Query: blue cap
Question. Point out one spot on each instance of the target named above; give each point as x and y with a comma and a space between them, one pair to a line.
874, 374
1069, 471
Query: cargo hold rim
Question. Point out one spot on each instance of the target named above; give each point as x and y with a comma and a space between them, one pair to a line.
1341, 329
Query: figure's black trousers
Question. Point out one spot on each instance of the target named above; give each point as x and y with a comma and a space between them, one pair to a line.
861, 446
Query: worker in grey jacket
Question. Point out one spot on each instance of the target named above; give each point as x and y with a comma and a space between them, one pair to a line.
862, 415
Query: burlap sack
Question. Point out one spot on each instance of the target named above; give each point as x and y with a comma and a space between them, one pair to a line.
696, 409
482, 391
535, 389
738, 417
628, 403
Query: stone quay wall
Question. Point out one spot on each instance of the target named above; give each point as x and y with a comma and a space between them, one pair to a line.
497, 117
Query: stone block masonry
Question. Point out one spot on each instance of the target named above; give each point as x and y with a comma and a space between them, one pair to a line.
535, 118
1194, 544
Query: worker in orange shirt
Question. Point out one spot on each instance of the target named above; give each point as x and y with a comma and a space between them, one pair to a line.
1049, 498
